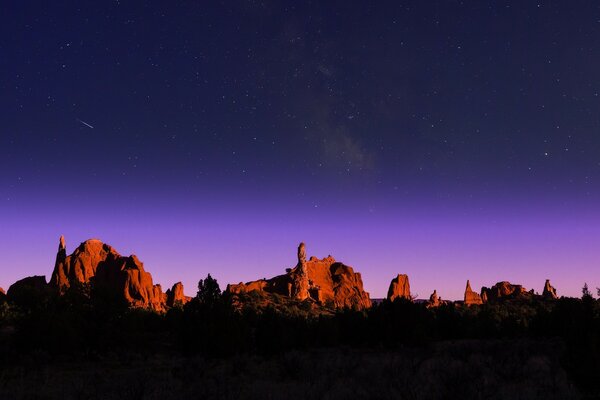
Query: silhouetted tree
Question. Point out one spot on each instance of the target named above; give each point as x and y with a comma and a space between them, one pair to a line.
209, 291
585, 292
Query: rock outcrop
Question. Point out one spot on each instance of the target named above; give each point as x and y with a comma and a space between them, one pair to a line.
399, 288
504, 290
549, 291
124, 277
2, 295
471, 298
80, 266
175, 295
434, 300
28, 291
300, 285
324, 281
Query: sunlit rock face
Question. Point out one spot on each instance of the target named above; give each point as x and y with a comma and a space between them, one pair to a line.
399, 288
325, 281
471, 298
124, 277
80, 266
549, 291
175, 295
505, 290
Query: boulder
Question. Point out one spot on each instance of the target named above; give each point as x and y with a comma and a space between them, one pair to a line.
175, 295
504, 290
471, 298
323, 281
399, 288
549, 291
124, 277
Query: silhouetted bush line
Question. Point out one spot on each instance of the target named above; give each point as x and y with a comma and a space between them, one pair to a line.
84, 324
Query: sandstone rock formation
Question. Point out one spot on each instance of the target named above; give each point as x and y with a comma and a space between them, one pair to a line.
399, 288
504, 290
549, 291
123, 276
434, 300
175, 295
471, 297
301, 253
81, 265
2, 295
324, 281
300, 285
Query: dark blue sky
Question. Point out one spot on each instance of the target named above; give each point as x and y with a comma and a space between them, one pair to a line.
475, 111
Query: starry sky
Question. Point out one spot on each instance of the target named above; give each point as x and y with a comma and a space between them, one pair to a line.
447, 140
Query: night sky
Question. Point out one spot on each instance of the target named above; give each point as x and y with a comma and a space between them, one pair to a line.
446, 140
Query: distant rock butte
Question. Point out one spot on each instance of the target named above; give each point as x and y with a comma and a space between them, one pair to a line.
399, 288
504, 290
549, 291
124, 276
325, 281
175, 296
471, 298
434, 300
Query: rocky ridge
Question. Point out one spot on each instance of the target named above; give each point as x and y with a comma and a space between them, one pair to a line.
122, 277
324, 281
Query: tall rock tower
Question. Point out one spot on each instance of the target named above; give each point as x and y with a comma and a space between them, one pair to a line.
300, 284
471, 297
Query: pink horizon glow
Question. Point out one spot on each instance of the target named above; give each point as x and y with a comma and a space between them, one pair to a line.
438, 249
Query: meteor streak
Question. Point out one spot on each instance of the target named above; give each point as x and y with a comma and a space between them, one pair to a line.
85, 123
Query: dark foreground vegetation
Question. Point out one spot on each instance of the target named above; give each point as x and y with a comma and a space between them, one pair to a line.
84, 345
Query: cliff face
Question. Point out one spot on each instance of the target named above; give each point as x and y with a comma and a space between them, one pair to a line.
399, 288
325, 281
125, 277
471, 298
